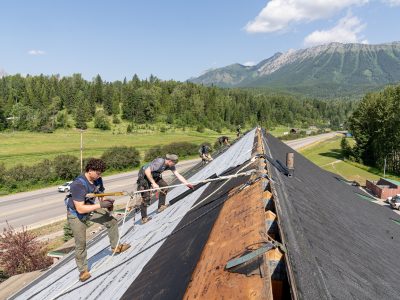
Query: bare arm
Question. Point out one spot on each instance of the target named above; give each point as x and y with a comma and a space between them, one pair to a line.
83, 208
180, 177
147, 172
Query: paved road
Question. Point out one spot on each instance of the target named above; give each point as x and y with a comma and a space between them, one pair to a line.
307, 141
44, 206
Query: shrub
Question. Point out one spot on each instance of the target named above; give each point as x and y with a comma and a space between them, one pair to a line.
129, 128
2, 173
116, 120
43, 171
66, 166
101, 121
119, 158
346, 148
15, 176
200, 128
153, 153
182, 149
21, 252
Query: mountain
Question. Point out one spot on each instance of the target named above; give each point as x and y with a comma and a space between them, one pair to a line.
2, 73
326, 71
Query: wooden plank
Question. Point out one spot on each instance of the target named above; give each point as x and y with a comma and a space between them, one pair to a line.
240, 225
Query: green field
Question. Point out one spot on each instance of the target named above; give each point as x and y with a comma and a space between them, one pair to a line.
279, 130
29, 148
327, 155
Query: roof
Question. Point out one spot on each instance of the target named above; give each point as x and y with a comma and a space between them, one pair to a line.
339, 246
151, 267
395, 182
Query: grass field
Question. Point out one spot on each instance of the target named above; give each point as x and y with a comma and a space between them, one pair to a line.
327, 155
29, 148
279, 130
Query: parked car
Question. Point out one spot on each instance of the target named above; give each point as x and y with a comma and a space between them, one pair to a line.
65, 187
394, 201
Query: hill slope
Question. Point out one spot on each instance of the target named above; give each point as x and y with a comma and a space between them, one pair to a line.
324, 71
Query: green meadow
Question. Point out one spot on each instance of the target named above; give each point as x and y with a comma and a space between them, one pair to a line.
327, 155
29, 148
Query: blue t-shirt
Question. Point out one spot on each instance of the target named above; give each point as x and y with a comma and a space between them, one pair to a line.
79, 190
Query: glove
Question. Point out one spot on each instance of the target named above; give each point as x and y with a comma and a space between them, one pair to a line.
190, 186
107, 203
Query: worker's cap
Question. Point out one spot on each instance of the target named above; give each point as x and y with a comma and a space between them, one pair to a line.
172, 157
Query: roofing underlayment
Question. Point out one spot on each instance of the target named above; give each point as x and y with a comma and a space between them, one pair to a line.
164, 251
335, 244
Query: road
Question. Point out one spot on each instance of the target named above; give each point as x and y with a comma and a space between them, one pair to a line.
45, 206
307, 141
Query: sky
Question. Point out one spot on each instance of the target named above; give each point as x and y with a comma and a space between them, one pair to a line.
177, 39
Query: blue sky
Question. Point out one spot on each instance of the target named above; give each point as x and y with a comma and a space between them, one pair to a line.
177, 39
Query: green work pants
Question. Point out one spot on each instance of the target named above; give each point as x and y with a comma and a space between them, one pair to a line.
101, 216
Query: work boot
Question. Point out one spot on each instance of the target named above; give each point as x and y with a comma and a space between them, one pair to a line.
84, 275
162, 208
120, 248
145, 220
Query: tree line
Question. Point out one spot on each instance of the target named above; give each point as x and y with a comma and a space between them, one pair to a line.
375, 125
44, 103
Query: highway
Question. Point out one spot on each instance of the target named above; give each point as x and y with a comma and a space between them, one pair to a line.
45, 206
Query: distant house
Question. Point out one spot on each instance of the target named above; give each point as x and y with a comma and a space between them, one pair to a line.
384, 188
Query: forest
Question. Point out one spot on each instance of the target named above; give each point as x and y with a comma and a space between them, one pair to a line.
45, 103
375, 125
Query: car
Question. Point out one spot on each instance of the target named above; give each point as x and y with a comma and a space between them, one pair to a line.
394, 201
65, 187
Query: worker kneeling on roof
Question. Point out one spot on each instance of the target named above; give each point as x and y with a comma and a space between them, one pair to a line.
150, 177
81, 209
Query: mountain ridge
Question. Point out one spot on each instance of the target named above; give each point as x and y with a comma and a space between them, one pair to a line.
336, 68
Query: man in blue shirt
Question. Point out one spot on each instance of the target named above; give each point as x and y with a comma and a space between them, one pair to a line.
81, 209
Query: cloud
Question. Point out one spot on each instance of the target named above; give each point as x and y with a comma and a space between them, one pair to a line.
392, 2
347, 30
277, 15
249, 63
36, 52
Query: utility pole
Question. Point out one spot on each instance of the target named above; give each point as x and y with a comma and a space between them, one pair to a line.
384, 168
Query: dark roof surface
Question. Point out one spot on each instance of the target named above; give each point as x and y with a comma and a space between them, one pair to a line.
339, 245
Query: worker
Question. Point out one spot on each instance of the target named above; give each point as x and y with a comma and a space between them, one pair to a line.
238, 130
204, 153
223, 140
81, 209
150, 177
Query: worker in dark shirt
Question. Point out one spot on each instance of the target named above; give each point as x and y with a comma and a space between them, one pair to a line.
150, 177
238, 130
223, 140
81, 209
204, 153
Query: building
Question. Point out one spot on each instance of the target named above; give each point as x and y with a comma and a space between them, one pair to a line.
384, 187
